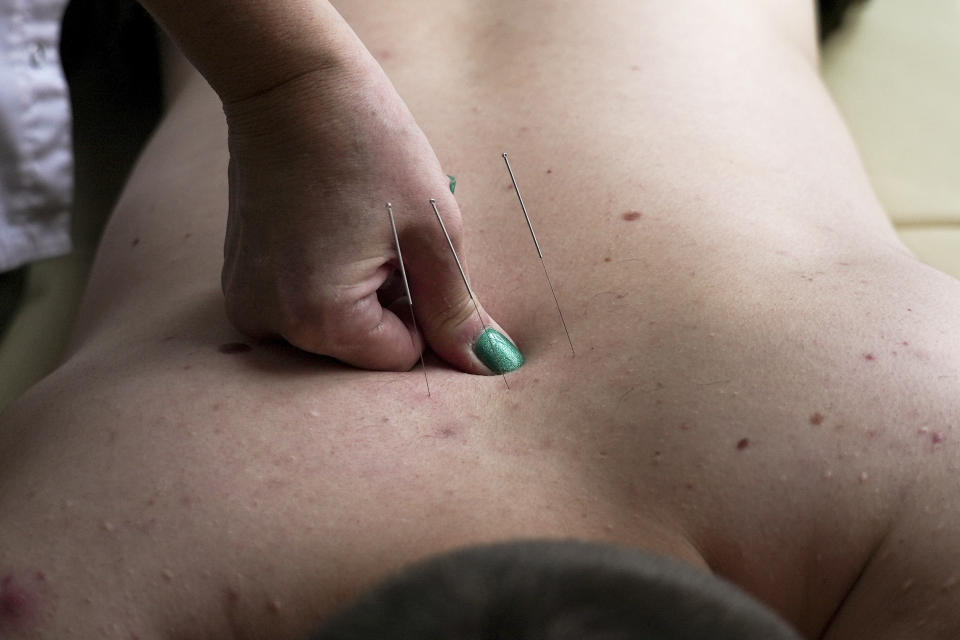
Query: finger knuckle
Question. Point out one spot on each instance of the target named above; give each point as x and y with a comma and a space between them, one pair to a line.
453, 315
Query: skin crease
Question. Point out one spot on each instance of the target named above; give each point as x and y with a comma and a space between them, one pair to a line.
253, 492
311, 274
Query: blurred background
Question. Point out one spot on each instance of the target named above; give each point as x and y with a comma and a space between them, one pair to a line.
894, 71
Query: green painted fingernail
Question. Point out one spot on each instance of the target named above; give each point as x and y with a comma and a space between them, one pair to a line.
453, 182
497, 352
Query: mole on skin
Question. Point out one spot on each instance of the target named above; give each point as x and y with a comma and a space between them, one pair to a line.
630, 216
16, 603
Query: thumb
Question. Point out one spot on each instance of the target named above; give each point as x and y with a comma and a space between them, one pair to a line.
452, 321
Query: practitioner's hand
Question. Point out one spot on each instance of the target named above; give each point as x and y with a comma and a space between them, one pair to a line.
313, 163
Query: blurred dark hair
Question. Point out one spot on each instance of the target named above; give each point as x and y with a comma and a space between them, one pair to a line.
830, 14
554, 590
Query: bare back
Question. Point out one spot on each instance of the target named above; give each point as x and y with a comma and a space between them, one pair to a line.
764, 382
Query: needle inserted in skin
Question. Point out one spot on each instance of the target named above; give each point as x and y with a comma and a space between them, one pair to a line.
406, 286
463, 274
539, 253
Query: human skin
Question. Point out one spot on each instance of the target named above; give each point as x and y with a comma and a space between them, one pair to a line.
309, 111
764, 386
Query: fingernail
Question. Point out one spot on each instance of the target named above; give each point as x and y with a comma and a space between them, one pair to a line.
497, 352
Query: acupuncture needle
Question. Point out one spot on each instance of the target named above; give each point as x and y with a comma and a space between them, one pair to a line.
539, 253
406, 286
463, 274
